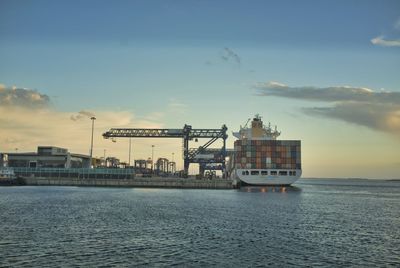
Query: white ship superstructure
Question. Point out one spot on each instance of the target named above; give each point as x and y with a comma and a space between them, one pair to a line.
261, 159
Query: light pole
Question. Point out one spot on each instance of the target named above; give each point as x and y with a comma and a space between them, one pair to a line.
172, 157
152, 158
105, 162
129, 160
91, 141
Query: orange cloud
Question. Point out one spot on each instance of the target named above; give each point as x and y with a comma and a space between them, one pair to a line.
28, 119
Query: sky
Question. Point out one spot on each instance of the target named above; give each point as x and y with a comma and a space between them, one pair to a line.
326, 72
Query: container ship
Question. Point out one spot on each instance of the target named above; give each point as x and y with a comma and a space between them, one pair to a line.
260, 159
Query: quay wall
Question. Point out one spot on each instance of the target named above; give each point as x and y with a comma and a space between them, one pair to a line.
153, 182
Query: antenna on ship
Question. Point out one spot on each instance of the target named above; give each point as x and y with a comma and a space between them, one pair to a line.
276, 132
248, 120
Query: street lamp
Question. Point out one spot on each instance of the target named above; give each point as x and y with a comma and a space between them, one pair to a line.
152, 158
129, 161
91, 141
172, 157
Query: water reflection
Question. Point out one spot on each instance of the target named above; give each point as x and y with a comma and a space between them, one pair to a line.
118, 227
270, 189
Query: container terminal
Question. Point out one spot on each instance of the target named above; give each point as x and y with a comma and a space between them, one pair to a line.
51, 165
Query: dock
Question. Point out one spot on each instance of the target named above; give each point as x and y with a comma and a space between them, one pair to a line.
152, 182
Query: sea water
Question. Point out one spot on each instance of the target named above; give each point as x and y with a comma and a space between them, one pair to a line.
315, 223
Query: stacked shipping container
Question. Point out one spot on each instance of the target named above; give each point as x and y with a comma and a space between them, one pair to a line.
267, 154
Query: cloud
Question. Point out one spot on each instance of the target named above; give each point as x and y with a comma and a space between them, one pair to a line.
230, 56
329, 94
28, 120
22, 97
82, 114
26, 126
378, 116
225, 56
380, 41
358, 105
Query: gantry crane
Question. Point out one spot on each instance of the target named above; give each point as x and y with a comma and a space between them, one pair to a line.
187, 133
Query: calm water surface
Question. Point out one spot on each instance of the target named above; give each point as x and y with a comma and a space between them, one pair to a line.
316, 223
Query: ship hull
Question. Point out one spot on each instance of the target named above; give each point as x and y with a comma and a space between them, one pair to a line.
266, 180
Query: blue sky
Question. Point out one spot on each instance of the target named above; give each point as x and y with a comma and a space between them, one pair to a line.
197, 62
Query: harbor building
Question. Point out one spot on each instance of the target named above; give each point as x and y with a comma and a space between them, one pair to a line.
48, 157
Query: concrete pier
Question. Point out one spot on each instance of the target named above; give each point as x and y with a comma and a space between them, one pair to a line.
153, 182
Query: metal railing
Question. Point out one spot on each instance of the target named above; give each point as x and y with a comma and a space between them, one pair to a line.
77, 173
